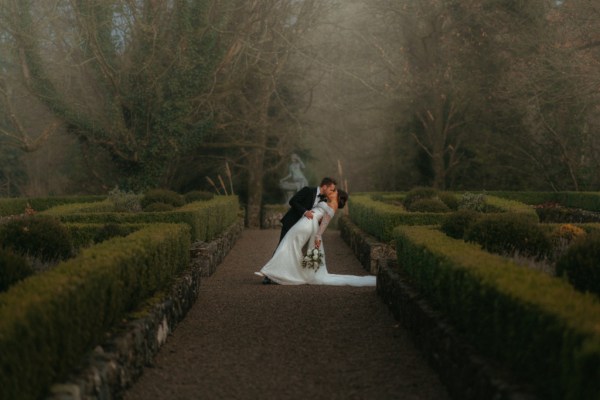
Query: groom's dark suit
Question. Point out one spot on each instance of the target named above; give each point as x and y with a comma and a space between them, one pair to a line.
301, 202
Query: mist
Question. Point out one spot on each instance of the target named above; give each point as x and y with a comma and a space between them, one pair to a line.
383, 95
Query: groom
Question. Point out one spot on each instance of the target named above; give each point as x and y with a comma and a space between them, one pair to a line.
303, 201
301, 204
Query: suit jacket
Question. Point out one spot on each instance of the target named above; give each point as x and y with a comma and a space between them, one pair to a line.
302, 201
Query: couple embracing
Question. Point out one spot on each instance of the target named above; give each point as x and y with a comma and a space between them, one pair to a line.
311, 210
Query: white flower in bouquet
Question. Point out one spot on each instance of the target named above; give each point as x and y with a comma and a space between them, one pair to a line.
313, 259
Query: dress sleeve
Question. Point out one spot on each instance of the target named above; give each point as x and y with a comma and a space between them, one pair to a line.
323, 225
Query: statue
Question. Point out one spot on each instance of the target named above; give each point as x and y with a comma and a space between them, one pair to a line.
295, 180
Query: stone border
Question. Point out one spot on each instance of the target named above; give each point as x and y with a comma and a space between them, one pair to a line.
463, 371
366, 248
271, 214
206, 256
113, 367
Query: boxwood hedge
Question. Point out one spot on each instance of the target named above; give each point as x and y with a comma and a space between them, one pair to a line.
534, 324
49, 321
17, 205
206, 218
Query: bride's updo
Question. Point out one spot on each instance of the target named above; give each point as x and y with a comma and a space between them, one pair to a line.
342, 198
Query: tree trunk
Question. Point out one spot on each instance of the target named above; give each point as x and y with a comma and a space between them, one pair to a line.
434, 123
256, 160
439, 144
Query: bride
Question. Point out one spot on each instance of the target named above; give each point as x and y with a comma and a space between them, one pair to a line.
285, 267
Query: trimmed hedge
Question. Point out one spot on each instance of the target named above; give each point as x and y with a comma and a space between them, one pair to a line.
379, 219
506, 233
580, 264
103, 206
13, 268
48, 322
585, 200
206, 218
17, 205
496, 204
534, 324
42, 237
83, 235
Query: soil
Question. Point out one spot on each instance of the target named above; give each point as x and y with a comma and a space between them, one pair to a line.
246, 340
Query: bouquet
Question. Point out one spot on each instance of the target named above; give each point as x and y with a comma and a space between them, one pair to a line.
313, 259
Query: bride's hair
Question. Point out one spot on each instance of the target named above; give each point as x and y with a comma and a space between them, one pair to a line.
342, 198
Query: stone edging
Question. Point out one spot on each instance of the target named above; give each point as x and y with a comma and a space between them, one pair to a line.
113, 367
366, 248
463, 371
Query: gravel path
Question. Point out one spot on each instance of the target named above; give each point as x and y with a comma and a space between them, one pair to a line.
245, 340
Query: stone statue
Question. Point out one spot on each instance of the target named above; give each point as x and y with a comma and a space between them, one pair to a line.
295, 179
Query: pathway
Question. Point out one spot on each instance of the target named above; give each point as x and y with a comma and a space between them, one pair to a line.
245, 340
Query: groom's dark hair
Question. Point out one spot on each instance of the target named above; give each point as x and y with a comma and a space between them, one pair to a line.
342, 198
328, 181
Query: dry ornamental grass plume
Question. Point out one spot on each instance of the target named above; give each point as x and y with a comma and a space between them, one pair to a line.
228, 172
222, 184
212, 183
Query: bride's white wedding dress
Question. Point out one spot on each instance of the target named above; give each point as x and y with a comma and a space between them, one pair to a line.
285, 267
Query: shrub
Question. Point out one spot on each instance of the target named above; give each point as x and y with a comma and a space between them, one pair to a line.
109, 231
459, 222
158, 207
562, 237
13, 268
449, 199
433, 205
41, 237
580, 264
124, 201
472, 201
508, 234
552, 212
162, 196
198, 195
568, 232
418, 193
377, 197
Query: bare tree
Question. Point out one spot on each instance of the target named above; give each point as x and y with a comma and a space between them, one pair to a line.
252, 101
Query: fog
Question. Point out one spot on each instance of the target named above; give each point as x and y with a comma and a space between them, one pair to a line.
476, 95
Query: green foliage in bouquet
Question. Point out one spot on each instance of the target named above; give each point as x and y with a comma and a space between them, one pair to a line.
580, 264
508, 234
13, 268
162, 196
198, 195
42, 237
459, 222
